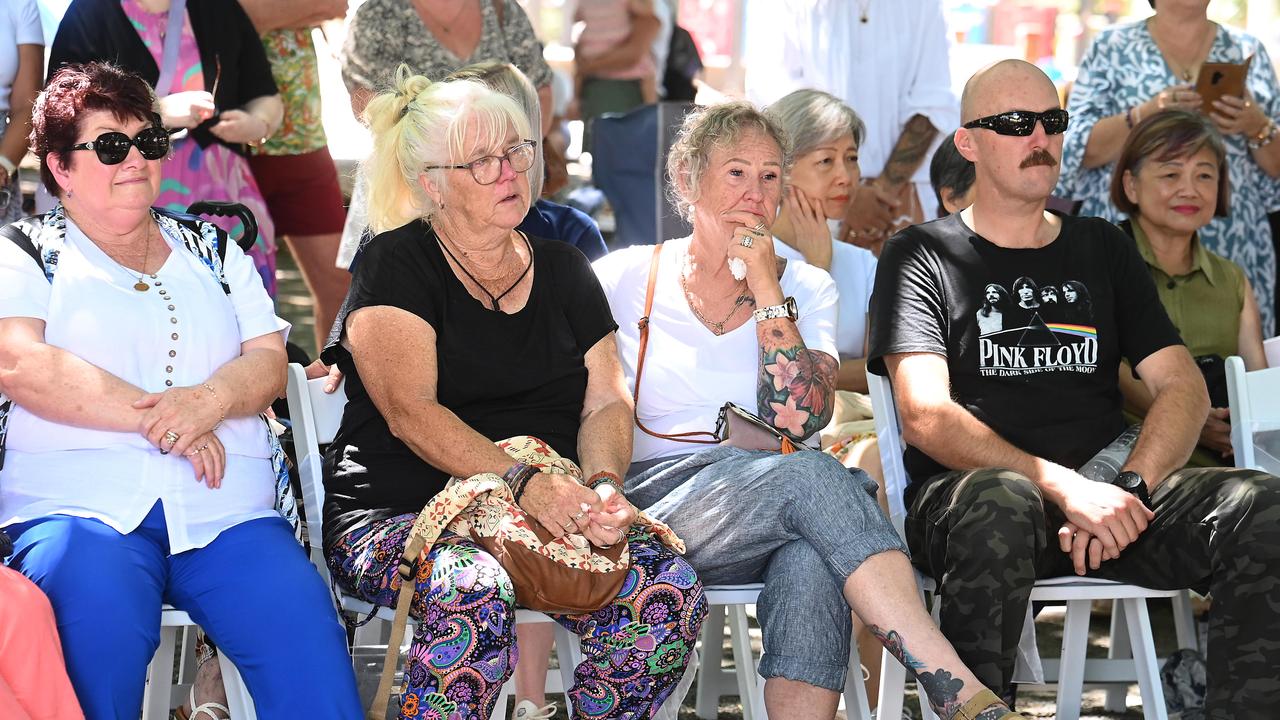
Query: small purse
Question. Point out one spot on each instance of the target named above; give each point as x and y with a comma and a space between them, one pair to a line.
741, 429
734, 426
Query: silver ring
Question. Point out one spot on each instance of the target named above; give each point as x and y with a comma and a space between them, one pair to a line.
568, 527
759, 228
621, 536
746, 241
578, 516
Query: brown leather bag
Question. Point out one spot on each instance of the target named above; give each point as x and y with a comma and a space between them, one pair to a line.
556, 575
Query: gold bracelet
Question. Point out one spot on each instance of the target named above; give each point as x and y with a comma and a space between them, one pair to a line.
222, 409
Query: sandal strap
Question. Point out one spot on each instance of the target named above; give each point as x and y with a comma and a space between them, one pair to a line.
208, 709
981, 701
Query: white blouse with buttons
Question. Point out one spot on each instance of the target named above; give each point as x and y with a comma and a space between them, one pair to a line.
176, 333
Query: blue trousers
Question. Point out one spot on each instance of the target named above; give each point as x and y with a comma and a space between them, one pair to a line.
252, 590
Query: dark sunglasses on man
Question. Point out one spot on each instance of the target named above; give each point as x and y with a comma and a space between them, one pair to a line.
1021, 123
113, 147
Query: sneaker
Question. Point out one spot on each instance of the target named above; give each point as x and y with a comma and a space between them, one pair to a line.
1183, 677
526, 710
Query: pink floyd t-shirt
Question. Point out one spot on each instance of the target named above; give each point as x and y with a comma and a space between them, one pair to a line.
1033, 337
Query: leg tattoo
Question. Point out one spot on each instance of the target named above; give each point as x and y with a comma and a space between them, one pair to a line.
942, 689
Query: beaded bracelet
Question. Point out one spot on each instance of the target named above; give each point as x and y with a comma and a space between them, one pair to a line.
603, 477
222, 409
1264, 138
517, 477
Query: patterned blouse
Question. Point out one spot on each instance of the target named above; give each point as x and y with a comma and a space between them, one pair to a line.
292, 53
1124, 68
384, 33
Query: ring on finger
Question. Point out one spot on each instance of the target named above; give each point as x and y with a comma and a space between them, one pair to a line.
578, 516
568, 527
621, 536
171, 437
759, 228
746, 241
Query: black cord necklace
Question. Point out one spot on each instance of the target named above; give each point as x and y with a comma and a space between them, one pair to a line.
492, 299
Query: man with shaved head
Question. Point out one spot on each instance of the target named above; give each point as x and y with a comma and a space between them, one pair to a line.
998, 419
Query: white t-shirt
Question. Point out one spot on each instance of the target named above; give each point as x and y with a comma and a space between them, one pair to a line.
854, 271
21, 26
92, 311
689, 373
889, 68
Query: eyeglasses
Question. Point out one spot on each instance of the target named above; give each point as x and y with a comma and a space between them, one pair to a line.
1021, 123
113, 147
487, 169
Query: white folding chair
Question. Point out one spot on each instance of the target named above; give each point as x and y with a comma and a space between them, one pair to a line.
1132, 656
162, 695
315, 416
1254, 398
728, 603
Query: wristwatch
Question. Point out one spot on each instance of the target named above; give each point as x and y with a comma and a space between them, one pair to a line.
1132, 483
786, 310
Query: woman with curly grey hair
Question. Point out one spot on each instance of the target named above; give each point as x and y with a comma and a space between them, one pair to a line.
725, 320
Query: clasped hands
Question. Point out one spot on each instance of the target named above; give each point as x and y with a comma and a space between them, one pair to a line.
565, 507
1232, 115
181, 421
1102, 520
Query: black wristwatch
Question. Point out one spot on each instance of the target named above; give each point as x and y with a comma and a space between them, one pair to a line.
1132, 483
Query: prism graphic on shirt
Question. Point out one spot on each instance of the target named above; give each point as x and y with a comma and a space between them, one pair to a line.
1036, 328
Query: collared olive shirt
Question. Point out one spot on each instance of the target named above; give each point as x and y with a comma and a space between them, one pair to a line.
1204, 304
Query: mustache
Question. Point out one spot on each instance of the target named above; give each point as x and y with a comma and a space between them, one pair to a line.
1039, 156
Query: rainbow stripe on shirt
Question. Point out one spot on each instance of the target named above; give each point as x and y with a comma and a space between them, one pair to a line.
1084, 331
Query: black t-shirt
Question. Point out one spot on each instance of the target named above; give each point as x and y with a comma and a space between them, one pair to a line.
1033, 337
503, 375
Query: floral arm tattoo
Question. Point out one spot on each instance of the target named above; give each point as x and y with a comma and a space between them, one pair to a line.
795, 391
943, 689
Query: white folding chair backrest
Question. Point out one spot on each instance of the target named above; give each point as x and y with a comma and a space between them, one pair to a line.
1255, 408
315, 415
889, 437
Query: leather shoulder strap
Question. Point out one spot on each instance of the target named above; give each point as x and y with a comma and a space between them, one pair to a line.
20, 239
698, 437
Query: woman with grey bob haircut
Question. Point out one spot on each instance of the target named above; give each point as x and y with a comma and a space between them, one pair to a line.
801, 523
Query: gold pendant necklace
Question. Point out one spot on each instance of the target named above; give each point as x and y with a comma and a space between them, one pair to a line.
717, 328
141, 286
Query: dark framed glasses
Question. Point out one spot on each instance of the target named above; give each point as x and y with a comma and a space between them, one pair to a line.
113, 147
1023, 122
487, 169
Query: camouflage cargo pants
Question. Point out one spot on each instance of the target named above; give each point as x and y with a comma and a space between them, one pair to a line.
987, 534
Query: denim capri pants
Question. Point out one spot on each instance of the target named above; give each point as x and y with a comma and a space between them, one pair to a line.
800, 523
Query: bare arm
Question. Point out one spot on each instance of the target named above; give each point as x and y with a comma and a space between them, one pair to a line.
795, 390
545, 108
1137, 398
1249, 344
59, 386
1178, 410
909, 152
1109, 133
1268, 158
243, 387
937, 425
269, 109
604, 436
644, 28
401, 377
26, 83
268, 15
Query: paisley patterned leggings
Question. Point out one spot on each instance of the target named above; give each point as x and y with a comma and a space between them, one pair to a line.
634, 650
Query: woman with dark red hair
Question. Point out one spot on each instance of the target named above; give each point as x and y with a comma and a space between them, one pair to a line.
137, 351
